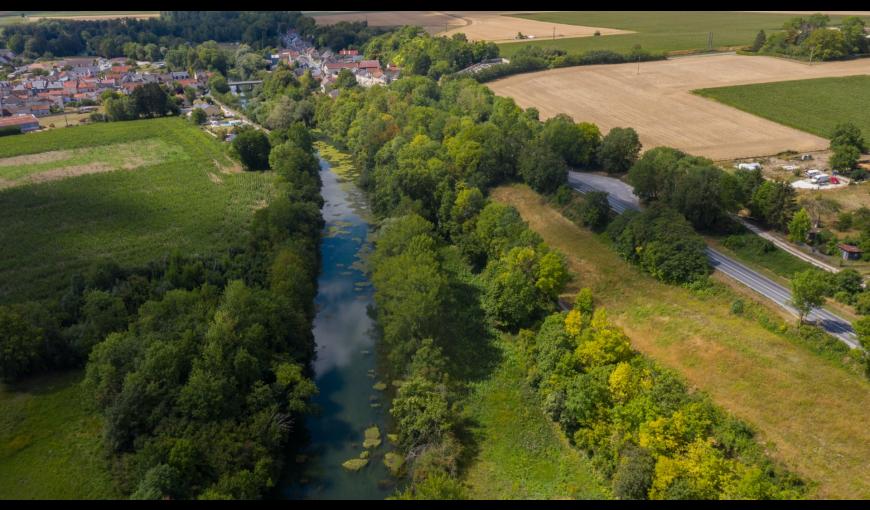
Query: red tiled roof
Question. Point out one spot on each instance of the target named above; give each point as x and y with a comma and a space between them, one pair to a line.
369, 64
18, 120
342, 65
848, 248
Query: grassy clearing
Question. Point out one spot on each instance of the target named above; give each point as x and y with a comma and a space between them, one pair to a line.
190, 201
814, 106
809, 410
49, 443
62, 120
661, 31
776, 262
522, 455
112, 157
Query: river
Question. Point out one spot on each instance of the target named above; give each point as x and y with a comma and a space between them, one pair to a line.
345, 365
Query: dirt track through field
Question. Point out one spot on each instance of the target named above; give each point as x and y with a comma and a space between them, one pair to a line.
476, 25
658, 103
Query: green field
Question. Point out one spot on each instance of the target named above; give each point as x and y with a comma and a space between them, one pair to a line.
777, 261
815, 106
522, 455
663, 31
49, 443
128, 156
182, 192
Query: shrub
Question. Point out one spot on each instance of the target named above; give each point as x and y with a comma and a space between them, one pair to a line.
252, 147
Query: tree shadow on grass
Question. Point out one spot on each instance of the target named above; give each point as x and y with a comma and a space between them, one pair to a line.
470, 343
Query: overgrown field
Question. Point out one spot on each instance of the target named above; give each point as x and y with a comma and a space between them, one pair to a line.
522, 455
663, 31
815, 106
50, 443
761, 375
182, 192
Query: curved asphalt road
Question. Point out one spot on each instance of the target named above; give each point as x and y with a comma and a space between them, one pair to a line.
622, 198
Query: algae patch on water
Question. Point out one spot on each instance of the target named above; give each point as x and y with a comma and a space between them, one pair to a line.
354, 464
380, 386
373, 437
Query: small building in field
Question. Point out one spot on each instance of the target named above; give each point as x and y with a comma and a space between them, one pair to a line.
849, 252
749, 166
23, 123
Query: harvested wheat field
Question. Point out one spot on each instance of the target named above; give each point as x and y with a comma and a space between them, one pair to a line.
98, 17
658, 103
496, 27
476, 25
432, 21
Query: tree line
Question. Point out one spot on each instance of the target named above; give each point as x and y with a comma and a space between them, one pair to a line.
151, 38
810, 37
535, 58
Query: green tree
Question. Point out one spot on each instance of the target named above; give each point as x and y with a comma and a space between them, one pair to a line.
799, 226
774, 203
438, 486
21, 344
824, 44
422, 412
198, 116
653, 176
150, 100
219, 84
808, 289
634, 474
595, 211
345, 80
854, 35
542, 168
847, 133
619, 150
252, 147
575, 143
760, 39
862, 328
844, 157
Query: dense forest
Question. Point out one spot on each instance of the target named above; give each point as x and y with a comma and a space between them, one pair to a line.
149, 38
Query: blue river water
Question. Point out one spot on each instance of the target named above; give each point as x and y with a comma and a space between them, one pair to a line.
345, 365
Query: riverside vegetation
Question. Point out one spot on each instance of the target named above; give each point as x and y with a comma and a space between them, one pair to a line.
452, 269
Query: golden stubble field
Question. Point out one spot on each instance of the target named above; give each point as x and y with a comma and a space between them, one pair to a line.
476, 25
655, 99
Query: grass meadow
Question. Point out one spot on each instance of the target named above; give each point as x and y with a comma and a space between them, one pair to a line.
750, 364
182, 192
659, 32
521, 453
814, 106
50, 444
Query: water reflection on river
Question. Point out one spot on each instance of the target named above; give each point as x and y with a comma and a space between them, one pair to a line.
345, 362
